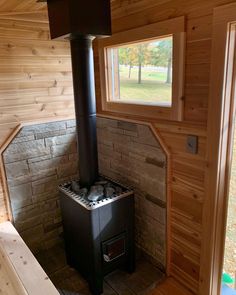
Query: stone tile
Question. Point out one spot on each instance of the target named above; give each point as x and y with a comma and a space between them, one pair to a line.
49, 243
135, 157
45, 185
124, 169
104, 164
21, 196
112, 137
104, 141
105, 122
41, 128
124, 174
63, 149
68, 178
16, 169
33, 238
73, 157
71, 130
47, 164
146, 136
25, 131
108, 152
127, 126
131, 133
50, 134
50, 205
23, 139
67, 169
140, 149
70, 124
147, 208
19, 180
145, 169
27, 213
44, 180
115, 130
51, 193
50, 232
63, 139
51, 227
158, 202
39, 174
153, 187
23, 147
151, 236
39, 159
28, 223
27, 155
155, 162
54, 217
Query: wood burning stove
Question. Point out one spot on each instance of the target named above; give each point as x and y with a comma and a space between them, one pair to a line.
99, 235
98, 215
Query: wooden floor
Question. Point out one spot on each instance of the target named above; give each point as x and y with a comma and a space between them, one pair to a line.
170, 287
69, 282
146, 280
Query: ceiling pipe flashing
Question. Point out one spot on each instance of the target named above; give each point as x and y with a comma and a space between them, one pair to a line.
69, 18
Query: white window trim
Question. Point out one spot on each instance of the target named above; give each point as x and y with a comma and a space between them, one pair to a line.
174, 27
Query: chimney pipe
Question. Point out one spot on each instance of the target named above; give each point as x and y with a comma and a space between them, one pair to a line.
79, 21
85, 107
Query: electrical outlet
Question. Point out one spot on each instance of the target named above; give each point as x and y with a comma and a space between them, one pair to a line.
192, 144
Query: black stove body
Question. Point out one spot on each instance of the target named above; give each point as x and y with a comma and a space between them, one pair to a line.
99, 236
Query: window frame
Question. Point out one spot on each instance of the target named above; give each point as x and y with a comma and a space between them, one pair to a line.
173, 27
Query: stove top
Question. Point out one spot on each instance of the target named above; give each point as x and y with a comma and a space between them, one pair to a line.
103, 192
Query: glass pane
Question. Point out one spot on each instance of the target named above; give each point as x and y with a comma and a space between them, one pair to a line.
142, 72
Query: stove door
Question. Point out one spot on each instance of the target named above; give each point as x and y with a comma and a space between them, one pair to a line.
114, 248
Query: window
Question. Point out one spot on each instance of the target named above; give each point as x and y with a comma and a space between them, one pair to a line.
142, 70
141, 73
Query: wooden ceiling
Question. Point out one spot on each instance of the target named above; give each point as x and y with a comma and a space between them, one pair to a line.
10, 6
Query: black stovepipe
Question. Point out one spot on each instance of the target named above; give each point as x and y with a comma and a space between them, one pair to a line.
85, 107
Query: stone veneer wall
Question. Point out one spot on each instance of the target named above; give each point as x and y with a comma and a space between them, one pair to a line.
37, 160
41, 156
130, 153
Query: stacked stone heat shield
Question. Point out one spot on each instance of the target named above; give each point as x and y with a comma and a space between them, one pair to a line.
43, 156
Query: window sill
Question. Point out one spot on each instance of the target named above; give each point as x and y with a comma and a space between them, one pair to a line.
141, 110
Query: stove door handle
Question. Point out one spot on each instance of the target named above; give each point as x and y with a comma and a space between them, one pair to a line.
106, 258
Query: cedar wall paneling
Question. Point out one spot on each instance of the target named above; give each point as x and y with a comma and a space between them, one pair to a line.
35, 76
187, 180
35, 83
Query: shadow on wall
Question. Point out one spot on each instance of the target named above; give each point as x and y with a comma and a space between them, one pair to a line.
42, 156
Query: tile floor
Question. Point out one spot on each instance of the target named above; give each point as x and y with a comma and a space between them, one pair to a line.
69, 282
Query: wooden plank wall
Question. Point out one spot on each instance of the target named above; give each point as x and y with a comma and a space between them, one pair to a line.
35, 76
187, 183
35, 84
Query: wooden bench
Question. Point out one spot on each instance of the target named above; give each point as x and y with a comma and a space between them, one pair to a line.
20, 272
